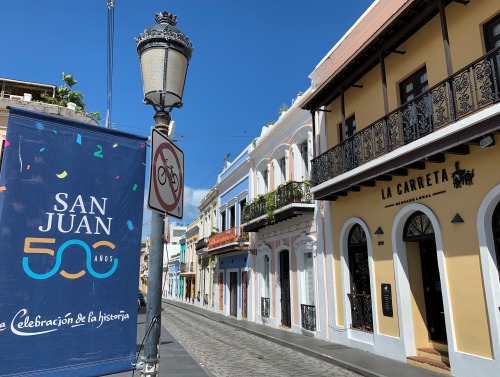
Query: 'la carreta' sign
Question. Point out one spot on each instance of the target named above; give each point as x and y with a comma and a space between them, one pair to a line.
435, 179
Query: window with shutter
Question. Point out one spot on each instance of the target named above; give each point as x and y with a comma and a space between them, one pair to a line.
304, 161
308, 279
265, 287
492, 33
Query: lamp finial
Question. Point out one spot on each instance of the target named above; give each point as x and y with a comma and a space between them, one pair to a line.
166, 18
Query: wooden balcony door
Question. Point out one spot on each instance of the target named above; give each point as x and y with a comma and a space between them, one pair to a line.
233, 293
285, 289
244, 294
221, 291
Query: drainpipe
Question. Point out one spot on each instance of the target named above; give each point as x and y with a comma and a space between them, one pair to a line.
446, 40
313, 115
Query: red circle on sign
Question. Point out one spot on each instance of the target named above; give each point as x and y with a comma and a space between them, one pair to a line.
177, 198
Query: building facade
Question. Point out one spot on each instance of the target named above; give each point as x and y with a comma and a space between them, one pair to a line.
280, 219
144, 266
189, 263
175, 236
229, 245
406, 112
27, 95
171, 286
206, 262
182, 256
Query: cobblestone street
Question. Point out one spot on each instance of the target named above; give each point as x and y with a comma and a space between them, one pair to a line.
229, 352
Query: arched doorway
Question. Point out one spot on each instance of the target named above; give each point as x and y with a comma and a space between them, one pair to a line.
495, 223
360, 292
418, 229
286, 318
488, 229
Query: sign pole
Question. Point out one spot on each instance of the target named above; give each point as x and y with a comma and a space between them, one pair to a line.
155, 270
153, 314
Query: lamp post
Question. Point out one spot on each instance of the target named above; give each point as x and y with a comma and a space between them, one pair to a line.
164, 53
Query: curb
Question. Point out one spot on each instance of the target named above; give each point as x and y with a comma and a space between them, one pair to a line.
318, 355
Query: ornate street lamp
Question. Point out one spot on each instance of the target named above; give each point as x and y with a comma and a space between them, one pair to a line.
164, 53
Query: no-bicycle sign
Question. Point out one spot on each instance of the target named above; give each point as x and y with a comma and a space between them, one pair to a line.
166, 183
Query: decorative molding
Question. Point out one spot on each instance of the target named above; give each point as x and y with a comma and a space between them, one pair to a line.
304, 242
231, 202
242, 195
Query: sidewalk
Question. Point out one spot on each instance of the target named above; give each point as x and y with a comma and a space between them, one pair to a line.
175, 361
362, 362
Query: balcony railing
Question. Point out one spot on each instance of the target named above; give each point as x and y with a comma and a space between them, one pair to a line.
202, 243
361, 311
186, 267
227, 236
308, 317
465, 92
289, 193
265, 307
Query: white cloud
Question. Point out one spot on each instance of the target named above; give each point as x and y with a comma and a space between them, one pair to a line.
192, 199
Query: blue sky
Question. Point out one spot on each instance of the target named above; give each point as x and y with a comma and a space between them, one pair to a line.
249, 58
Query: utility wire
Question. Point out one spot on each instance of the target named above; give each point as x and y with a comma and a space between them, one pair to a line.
206, 179
111, 38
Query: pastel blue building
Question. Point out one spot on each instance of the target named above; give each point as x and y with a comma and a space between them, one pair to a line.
230, 243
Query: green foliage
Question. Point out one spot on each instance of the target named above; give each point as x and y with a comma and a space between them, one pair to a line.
96, 115
69, 80
65, 94
270, 199
283, 108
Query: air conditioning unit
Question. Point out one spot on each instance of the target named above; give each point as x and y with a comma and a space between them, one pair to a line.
16, 97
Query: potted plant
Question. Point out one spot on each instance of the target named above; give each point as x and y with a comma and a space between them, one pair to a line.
283, 109
67, 97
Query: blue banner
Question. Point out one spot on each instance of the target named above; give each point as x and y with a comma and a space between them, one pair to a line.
71, 203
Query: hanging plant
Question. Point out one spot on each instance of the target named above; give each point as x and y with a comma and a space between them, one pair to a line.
270, 207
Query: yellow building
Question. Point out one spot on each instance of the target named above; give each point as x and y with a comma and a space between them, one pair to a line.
189, 263
406, 112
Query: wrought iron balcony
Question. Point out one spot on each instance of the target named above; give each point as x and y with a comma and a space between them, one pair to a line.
272, 205
308, 314
265, 307
227, 237
202, 244
469, 90
187, 267
361, 311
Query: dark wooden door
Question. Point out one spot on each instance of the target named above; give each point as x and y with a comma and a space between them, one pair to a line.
434, 308
360, 272
221, 291
285, 289
233, 293
244, 293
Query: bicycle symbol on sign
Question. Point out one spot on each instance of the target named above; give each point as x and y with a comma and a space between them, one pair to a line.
162, 176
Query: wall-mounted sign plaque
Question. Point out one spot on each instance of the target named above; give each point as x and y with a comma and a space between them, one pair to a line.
386, 300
